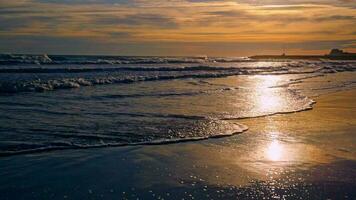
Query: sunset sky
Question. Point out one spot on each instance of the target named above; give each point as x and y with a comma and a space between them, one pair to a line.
177, 27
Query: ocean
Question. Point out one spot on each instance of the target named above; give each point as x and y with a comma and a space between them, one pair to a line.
69, 102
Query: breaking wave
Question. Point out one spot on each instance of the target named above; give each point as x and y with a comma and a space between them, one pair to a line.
39, 79
69, 83
202, 130
16, 59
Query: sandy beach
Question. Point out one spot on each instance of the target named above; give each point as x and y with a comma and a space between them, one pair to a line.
304, 155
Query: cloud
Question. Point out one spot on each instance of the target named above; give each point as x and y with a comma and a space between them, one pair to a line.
76, 2
150, 20
175, 22
335, 17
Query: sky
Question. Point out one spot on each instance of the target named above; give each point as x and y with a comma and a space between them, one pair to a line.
177, 27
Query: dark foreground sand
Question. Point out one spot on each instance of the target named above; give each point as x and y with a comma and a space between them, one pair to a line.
305, 155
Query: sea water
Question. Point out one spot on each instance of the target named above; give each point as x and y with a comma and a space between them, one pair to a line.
65, 102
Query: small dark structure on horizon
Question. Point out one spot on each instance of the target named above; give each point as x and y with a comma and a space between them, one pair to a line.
339, 52
335, 54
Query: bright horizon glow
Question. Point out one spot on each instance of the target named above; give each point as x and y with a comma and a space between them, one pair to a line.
177, 27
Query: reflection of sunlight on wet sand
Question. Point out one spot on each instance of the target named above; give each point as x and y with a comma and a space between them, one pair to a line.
274, 151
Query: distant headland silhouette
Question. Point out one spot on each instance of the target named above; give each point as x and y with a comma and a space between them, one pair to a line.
335, 54
339, 52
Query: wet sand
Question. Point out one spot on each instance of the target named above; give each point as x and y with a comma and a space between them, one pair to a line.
304, 155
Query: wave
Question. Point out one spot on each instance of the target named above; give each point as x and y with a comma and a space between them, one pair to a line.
8, 59
61, 145
114, 69
89, 76
139, 74
148, 68
39, 85
16, 59
115, 96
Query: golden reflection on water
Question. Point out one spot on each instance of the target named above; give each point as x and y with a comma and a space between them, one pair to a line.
270, 100
267, 99
274, 151
268, 81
